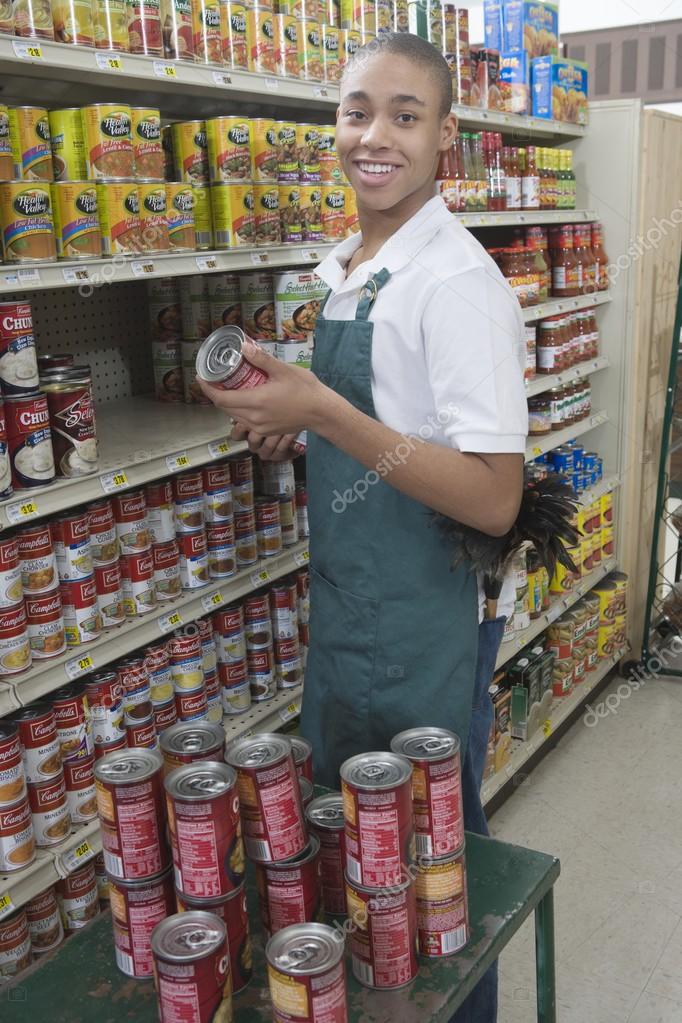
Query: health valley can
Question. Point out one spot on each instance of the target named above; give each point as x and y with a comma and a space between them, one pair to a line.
235, 48
136, 908
153, 217
442, 913
192, 968
286, 45
180, 216
233, 214
118, 205
260, 38
383, 939
76, 221
26, 222
306, 974
229, 149
107, 133
29, 132
190, 148
67, 143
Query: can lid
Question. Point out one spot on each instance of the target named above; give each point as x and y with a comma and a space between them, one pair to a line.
301, 748
31, 713
196, 737
220, 354
127, 766
304, 949
326, 812
258, 750
198, 782
377, 770
187, 936
426, 743
306, 786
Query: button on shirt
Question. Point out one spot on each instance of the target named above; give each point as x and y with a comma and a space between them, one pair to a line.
448, 338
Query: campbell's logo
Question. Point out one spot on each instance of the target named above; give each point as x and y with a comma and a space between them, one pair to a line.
239, 135
132, 505
36, 542
335, 200
80, 411
191, 703
13, 619
184, 202
15, 818
200, 139
149, 130
270, 200
41, 729
10, 752
116, 125
43, 129
166, 714
211, 17
132, 202
155, 202
110, 577
21, 321
50, 795
86, 202
144, 564
83, 883
32, 204
43, 607
8, 555
80, 774
101, 517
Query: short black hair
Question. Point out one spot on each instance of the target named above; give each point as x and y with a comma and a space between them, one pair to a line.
412, 48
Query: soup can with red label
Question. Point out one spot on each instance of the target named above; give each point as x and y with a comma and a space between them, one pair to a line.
257, 622
81, 795
103, 749
268, 528
29, 440
46, 624
136, 908
377, 801
261, 674
137, 577
188, 743
15, 648
73, 722
6, 489
134, 675
71, 544
283, 610
78, 897
110, 599
383, 938
324, 816
132, 524
11, 588
288, 669
165, 715
290, 891
192, 705
15, 945
82, 619
38, 561
105, 699
222, 554
17, 840
130, 807
188, 499
44, 922
436, 788
236, 696
442, 911
305, 965
192, 968
228, 629
160, 514
187, 663
103, 538
12, 773
194, 571
231, 909
72, 417
202, 800
18, 362
167, 581
303, 756
37, 730
270, 797
50, 811
142, 734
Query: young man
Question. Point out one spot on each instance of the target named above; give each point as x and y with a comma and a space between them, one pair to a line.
415, 404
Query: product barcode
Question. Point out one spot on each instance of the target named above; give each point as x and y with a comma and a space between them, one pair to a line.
257, 850
452, 941
423, 844
353, 868
363, 972
125, 962
113, 864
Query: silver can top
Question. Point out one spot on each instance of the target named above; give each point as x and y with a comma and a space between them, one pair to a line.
128, 766
301, 748
220, 354
185, 937
310, 853
426, 743
258, 750
326, 812
192, 737
307, 788
200, 781
304, 949
374, 771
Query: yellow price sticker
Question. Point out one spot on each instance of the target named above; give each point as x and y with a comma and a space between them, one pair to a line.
112, 481
257, 578
21, 511
179, 461
86, 663
6, 905
183, 460
547, 728
79, 666
218, 448
537, 451
170, 621
82, 850
302, 558
175, 619
163, 70
212, 600
289, 712
169, 71
35, 52
28, 509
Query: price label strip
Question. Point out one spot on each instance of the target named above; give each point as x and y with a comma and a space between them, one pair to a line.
222, 78
27, 50
290, 711
78, 666
6, 905
260, 258
261, 577
23, 277
272, 84
212, 600
310, 255
75, 858
170, 621
72, 276
22, 511
302, 558
107, 62
320, 92
218, 448
207, 263
164, 70
142, 269
178, 462
113, 481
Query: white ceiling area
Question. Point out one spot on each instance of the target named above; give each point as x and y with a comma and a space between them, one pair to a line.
583, 15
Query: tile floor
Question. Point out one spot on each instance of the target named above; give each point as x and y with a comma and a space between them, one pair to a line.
606, 801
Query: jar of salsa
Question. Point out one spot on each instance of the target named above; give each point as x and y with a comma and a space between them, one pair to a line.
534, 241
566, 271
557, 402
550, 347
594, 335
584, 335
539, 416
515, 270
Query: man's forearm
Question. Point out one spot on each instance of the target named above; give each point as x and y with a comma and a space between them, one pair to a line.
465, 487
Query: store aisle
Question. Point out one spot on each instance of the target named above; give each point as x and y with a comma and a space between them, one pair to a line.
606, 802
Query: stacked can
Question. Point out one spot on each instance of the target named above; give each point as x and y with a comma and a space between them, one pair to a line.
163, 300
70, 535
44, 774
15, 642
303, 608
78, 898
188, 193
104, 696
241, 469
44, 922
285, 628
224, 300
219, 518
105, 552
15, 945
260, 659
157, 660
138, 710
196, 318
228, 629
275, 834
165, 549
326, 821
136, 557
209, 656
187, 671
130, 804
17, 838
188, 504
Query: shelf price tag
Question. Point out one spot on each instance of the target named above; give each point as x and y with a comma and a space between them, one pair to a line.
143, 269
74, 858
260, 258
537, 451
290, 711
170, 621
108, 62
212, 600
320, 92
302, 558
272, 84
21, 277
222, 78
164, 70
113, 481
75, 276
22, 511
78, 666
218, 448
6, 905
207, 263
178, 462
547, 728
27, 50
310, 255
260, 577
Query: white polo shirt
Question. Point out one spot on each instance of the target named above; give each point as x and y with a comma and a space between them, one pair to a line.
448, 337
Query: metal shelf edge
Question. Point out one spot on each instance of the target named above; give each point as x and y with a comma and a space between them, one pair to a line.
553, 440
265, 717
48, 868
538, 385
507, 219
564, 305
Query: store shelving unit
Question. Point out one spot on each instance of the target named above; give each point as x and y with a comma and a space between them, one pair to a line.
525, 219
541, 445
540, 384
555, 306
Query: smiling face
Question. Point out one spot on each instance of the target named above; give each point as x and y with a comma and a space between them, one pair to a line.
390, 131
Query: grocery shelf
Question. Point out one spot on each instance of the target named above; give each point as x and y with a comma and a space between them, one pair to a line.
138, 442
540, 384
522, 129
561, 711
520, 639
541, 445
120, 641
91, 274
267, 716
555, 306
605, 486
527, 217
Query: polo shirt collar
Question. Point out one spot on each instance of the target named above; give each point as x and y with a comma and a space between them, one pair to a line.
396, 253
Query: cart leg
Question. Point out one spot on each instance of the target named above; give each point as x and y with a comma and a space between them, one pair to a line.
544, 959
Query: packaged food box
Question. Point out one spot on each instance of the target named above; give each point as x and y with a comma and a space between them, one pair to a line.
485, 79
533, 27
494, 31
515, 82
560, 89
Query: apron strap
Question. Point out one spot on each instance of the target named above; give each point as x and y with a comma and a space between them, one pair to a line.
369, 292
324, 302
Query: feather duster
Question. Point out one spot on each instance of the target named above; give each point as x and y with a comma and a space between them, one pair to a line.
545, 517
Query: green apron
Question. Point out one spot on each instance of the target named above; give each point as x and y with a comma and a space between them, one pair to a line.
393, 630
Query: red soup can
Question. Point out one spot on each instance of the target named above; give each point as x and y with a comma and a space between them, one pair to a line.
12, 773
15, 945
188, 500
38, 561
377, 802
192, 968
191, 742
268, 528
44, 922
305, 962
29, 440
228, 629
290, 892
82, 620
74, 726
132, 525
6, 489
130, 807
442, 913
136, 908
194, 570
11, 588
160, 512
71, 544
324, 816
203, 819
46, 624
78, 897
283, 610
103, 538
105, 699
50, 811
233, 912
17, 840
222, 555
436, 788
142, 734
165, 715
383, 938
273, 822
110, 599
193, 705
81, 795
303, 756
15, 648
37, 729
137, 577
167, 581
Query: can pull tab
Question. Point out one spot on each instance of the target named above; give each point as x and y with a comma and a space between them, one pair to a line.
209, 785
196, 939
435, 745
298, 956
330, 813
373, 772
258, 755
191, 744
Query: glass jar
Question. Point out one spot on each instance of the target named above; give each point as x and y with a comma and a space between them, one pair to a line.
550, 346
566, 273
539, 416
557, 399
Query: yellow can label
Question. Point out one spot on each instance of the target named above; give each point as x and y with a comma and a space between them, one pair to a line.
6, 164
311, 213
263, 149
26, 221
233, 217
260, 40
76, 223
190, 149
146, 131
233, 21
287, 151
290, 212
308, 149
107, 129
329, 50
309, 53
229, 148
330, 170
440, 882
118, 203
333, 212
206, 31
68, 145
352, 219
266, 214
29, 132
286, 45
110, 23
203, 216
73, 22
153, 222
350, 42
288, 995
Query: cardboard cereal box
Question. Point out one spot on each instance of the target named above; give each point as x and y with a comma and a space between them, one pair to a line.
560, 89
515, 82
492, 15
531, 26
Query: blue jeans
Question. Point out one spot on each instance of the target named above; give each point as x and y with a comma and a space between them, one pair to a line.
481, 1004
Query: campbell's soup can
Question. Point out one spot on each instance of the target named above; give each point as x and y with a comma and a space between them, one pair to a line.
273, 823
187, 743
442, 910
71, 544
372, 822
15, 647
192, 968
283, 610
38, 562
103, 749
44, 922
324, 816
228, 630
136, 908
18, 362
81, 795
232, 910
268, 528
218, 507
11, 588
37, 729
383, 935
78, 898
160, 515
46, 624
188, 499
165, 716
73, 722
129, 786
302, 750
192, 705
261, 674
290, 892
104, 547
306, 960
12, 772
201, 798
15, 945
104, 694
235, 696
132, 524
194, 570
167, 580
186, 660
29, 439
137, 577
17, 839
110, 597
257, 621
288, 669
49, 811
82, 618
245, 538
220, 541
6, 489
436, 788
